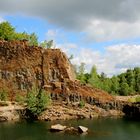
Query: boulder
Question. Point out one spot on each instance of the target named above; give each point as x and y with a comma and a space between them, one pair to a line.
58, 127
82, 129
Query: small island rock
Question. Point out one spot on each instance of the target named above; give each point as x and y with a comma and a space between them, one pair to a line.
58, 127
82, 129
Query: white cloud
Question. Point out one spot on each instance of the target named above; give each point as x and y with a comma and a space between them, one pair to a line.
100, 19
104, 30
116, 59
68, 48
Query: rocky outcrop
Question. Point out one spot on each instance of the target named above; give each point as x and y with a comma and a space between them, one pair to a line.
65, 111
23, 66
132, 110
10, 111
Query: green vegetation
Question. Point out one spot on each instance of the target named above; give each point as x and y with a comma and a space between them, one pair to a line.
138, 99
3, 95
8, 32
81, 103
47, 44
134, 99
127, 83
37, 101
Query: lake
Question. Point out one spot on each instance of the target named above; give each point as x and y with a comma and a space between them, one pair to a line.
102, 129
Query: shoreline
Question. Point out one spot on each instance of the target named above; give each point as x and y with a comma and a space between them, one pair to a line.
57, 111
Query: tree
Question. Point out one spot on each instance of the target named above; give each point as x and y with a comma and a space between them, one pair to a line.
32, 101
115, 84
33, 40
124, 89
43, 101
94, 77
21, 36
130, 79
37, 101
137, 79
81, 72
71, 57
47, 44
7, 32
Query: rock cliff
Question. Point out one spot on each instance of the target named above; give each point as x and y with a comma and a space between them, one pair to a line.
23, 66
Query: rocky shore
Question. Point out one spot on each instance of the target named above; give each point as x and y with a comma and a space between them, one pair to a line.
10, 111
56, 111
65, 111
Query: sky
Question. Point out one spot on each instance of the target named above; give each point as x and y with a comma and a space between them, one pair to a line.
105, 33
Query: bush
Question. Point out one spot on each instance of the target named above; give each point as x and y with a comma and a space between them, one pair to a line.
3, 95
81, 104
138, 99
132, 100
37, 101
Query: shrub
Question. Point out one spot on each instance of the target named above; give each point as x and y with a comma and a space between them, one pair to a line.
37, 101
3, 95
138, 99
81, 104
132, 100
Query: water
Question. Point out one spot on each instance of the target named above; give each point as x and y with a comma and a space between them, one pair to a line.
102, 129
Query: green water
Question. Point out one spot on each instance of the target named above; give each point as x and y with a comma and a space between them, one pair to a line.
102, 129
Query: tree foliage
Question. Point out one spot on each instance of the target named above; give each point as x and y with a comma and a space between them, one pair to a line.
8, 32
127, 83
37, 101
47, 44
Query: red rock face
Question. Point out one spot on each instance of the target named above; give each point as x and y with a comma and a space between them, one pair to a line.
23, 66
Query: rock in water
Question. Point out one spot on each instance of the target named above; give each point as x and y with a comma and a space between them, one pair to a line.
82, 129
58, 127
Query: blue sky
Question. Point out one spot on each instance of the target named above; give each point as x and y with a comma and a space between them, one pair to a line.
93, 31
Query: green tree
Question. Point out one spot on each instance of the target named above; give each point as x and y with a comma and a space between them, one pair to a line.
115, 84
33, 40
37, 101
124, 87
130, 79
71, 57
137, 79
32, 101
47, 44
21, 36
7, 32
94, 77
43, 101
81, 72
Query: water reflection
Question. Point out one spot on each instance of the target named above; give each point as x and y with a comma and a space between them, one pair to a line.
100, 129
